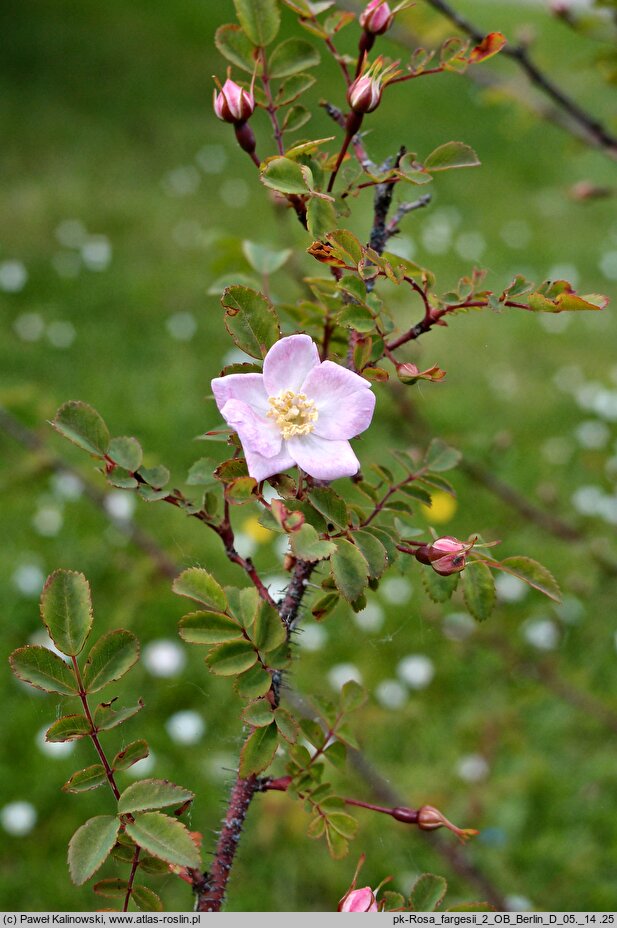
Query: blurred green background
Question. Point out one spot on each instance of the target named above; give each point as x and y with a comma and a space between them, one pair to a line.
123, 201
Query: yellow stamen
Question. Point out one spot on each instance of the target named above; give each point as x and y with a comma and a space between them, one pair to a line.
293, 413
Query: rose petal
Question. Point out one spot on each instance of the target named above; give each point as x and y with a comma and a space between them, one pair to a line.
322, 458
261, 467
248, 388
255, 432
344, 400
288, 362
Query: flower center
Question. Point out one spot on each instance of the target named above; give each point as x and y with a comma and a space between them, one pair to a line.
293, 413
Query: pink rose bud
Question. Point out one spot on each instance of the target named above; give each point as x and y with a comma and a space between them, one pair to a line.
359, 900
446, 555
376, 17
364, 94
233, 103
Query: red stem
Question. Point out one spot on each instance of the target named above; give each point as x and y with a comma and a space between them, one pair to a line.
93, 731
129, 888
271, 108
352, 125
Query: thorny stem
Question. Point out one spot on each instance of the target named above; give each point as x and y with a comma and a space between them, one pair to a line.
590, 124
289, 608
93, 730
211, 886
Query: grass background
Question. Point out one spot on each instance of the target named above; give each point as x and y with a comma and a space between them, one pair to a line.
106, 118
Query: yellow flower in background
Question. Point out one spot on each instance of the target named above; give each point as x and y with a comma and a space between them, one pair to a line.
255, 530
443, 508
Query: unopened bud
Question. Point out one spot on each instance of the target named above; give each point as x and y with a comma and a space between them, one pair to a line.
376, 17
359, 900
430, 818
446, 555
364, 94
233, 103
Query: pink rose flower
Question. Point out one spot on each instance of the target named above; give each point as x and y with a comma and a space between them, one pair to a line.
299, 411
359, 900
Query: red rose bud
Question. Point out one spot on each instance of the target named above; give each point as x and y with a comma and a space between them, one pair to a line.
430, 818
233, 103
377, 17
